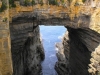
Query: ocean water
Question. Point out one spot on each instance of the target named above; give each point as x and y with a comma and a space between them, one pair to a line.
50, 35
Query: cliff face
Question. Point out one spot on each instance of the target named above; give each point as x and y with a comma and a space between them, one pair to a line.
78, 51
82, 43
27, 50
75, 52
61, 65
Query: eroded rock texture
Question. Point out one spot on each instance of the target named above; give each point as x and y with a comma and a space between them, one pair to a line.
79, 46
95, 61
27, 50
61, 65
79, 54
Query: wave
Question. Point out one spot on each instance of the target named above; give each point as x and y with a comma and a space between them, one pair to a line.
61, 36
56, 49
52, 55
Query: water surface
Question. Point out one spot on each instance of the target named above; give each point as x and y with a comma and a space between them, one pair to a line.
50, 35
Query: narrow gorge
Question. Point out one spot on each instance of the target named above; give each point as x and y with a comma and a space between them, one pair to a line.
22, 50
73, 57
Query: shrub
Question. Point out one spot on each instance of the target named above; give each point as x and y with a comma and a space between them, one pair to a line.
83, 1
41, 2
11, 3
33, 2
53, 2
62, 1
5, 19
26, 2
3, 7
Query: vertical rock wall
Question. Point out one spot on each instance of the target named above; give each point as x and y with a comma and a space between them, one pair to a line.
5, 47
79, 56
27, 50
79, 46
61, 65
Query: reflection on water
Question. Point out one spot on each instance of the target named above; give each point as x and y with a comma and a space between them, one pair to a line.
50, 35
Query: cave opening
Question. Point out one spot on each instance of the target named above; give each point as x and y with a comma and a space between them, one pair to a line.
50, 36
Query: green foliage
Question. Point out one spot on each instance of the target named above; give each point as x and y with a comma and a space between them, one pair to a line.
11, 3
62, 1
41, 2
5, 19
26, 2
33, 2
83, 1
53, 2
3, 7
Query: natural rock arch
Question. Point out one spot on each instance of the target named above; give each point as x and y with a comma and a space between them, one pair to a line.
81, 21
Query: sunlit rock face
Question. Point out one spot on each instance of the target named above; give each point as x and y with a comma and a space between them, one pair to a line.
27, 50
95, 66
95, 20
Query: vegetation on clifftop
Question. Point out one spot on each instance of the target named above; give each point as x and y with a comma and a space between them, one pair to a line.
33, 2
3, 7
26, 2
11, 3
83, 0
53, 2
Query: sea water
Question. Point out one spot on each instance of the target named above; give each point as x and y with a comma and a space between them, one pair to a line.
50, 35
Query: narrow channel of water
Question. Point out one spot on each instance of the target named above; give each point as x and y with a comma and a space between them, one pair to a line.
50, 35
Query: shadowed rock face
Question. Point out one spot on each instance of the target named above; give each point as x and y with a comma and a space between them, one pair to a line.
27, 50
79, 47
79, 57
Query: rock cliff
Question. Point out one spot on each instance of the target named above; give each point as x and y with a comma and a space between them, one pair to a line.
81, 49
27, 50
81, 43
61, 65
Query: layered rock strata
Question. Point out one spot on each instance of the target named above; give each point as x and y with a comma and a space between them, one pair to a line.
61, 65
81, 50
82, 42
27, 50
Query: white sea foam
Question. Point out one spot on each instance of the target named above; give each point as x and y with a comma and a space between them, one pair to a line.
50, 66
61, 37
56, 49
41, 39
52, 55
